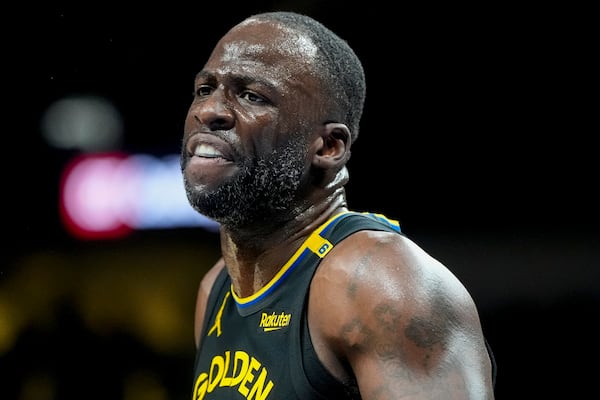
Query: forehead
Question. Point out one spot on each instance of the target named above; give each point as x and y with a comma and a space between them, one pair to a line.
264, 45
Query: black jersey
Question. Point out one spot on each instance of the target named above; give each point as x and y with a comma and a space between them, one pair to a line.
258, 347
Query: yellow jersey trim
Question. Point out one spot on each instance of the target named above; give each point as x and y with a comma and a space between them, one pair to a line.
315, 243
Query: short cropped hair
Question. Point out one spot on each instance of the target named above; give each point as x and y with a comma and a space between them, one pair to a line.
337, 63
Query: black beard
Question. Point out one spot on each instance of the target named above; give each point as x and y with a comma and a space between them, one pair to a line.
264, 191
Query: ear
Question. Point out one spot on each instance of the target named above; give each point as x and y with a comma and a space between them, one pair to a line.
334, 146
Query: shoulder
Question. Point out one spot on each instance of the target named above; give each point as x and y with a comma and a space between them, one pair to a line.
386, 266
381, 304
374, 257
371, 268
204, 289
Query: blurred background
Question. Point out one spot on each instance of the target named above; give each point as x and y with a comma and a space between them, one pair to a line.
477, 135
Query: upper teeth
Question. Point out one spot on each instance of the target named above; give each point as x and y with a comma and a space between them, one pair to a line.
205, 150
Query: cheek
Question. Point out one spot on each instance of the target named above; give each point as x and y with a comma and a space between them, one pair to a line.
189, 121
260, 132
257, 119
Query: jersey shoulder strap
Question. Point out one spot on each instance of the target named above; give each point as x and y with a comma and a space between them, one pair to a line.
349, 222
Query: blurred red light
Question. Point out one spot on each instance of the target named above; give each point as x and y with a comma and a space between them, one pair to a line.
89, 196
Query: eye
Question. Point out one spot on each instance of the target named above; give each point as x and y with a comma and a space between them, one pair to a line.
203, 90
252, 97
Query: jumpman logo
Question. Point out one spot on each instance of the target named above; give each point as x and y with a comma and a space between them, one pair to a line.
217, 324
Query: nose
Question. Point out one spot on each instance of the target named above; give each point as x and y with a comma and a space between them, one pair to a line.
213, 111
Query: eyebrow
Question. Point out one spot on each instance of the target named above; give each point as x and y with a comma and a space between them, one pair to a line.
241, 80
203, 74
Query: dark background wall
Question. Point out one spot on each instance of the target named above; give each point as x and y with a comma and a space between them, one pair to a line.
477, 135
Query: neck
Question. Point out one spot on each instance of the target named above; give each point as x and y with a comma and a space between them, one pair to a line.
254, 255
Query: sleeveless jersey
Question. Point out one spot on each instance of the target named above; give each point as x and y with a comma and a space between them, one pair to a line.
258, 347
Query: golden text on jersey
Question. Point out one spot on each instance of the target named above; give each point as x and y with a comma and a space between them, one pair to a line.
238, 369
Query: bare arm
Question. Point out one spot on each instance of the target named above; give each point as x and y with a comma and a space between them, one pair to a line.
385, 313
203, 291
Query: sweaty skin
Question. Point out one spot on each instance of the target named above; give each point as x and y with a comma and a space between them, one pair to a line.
264, 155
